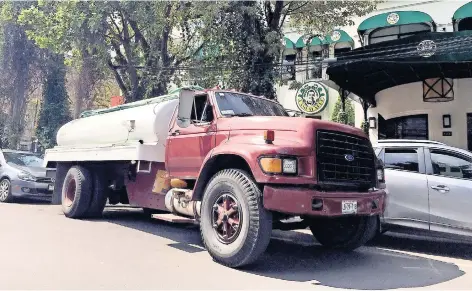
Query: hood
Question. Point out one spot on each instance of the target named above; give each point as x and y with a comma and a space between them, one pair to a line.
39, 172
284, 123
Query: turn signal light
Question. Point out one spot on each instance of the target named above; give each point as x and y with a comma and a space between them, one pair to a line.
271, 165
269, 136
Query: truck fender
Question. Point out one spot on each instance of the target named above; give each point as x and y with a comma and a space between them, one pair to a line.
216, 161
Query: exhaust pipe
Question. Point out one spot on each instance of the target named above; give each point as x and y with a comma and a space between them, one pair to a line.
177, 202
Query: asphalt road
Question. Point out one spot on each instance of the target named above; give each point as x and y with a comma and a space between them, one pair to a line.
41, 249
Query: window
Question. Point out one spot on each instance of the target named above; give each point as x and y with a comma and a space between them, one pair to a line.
465, 24
450, 164
396, 32
405, 127
401, 159
23, 159
235, 104
288, 67
201, 110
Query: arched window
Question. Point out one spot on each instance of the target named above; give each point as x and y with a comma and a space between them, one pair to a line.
396, 32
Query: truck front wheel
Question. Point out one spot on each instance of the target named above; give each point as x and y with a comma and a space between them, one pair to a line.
76, 192
346, 233
234, 225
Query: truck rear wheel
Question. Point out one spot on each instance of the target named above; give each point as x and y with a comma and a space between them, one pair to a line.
346, 233
234, 225
99, 195
76, 192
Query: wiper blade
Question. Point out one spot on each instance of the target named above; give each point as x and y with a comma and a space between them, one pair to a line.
243, 114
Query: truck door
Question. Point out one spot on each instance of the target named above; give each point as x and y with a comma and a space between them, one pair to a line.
190, 139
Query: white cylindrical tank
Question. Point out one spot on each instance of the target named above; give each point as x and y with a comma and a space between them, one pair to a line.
149, 123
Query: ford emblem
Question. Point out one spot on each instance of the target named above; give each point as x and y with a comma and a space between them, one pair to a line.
349, 158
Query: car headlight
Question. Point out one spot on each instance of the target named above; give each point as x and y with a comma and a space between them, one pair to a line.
26, 177
272, 165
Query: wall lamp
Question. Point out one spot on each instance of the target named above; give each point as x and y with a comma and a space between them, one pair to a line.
447, 121
372, 122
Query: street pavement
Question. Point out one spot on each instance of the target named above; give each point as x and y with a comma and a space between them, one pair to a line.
41, 249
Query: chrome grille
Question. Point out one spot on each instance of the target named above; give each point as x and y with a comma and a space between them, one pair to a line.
344, 160
44, 180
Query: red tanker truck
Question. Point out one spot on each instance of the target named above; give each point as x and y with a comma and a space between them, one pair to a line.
235, 163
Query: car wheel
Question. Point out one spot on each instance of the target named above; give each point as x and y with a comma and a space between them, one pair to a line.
234, 225
76, 192
5, 191
345, 233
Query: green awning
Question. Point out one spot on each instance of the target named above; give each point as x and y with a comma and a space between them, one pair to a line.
338, 36
289, 44
463, 12
393, 19
300, 43
315, 41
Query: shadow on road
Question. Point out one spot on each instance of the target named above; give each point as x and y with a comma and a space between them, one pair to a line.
33, 201
295, 256
431, 246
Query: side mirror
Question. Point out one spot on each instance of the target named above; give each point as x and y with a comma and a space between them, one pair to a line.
186, 97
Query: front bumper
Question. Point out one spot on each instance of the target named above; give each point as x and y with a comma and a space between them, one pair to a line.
302, 201
21, 188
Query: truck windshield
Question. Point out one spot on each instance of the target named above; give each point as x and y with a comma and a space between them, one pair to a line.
23, 159
234, 104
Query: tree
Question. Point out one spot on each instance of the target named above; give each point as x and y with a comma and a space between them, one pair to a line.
134, 39
55, 105
249, 45
338, 115
19, 57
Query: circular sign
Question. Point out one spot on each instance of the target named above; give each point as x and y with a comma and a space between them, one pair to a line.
393, 18
335, 36
312, 97
426, 48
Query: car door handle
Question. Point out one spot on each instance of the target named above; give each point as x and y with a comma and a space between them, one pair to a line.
440, 188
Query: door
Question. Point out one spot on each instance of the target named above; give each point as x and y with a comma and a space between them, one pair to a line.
407, 186
189, 143
469, 131
450, 190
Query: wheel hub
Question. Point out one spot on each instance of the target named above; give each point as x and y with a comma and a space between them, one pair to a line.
3, 190
226, 218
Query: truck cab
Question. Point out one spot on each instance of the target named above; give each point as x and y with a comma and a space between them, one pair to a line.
235, 163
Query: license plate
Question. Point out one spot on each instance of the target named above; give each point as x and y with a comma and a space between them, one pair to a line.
51, 187
349, 207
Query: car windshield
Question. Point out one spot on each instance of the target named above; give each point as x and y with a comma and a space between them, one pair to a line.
23, 159
234, 104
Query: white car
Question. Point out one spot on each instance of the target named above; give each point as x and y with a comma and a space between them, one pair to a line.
429, 187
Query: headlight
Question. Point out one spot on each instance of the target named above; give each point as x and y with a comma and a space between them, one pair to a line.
26, 177
278, 165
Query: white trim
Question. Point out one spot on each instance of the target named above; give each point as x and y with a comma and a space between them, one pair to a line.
126, 152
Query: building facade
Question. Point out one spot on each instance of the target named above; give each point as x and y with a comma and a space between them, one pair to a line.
405, 111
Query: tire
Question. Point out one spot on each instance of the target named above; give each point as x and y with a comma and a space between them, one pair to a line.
255, 223
99, 196
5, 191
345, 233
77, 192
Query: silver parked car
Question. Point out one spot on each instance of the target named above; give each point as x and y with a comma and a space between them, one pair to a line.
429, 187
22, 175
